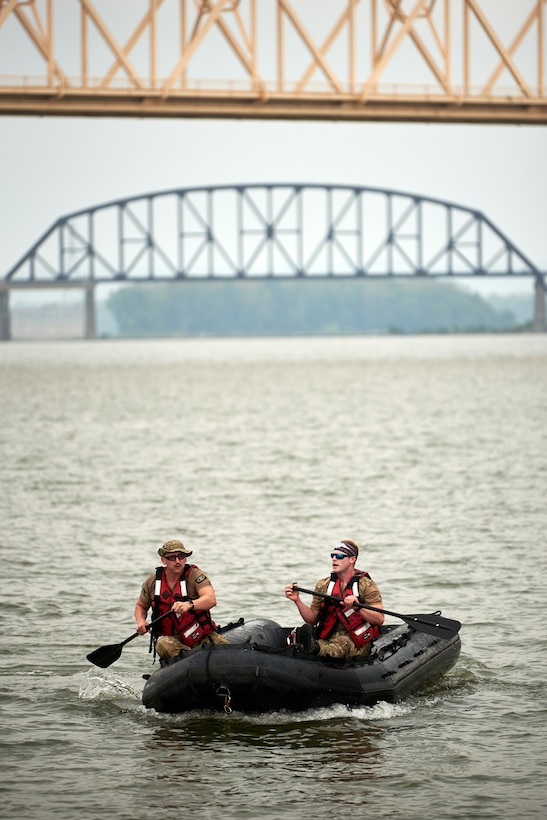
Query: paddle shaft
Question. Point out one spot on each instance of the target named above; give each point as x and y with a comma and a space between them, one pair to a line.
434, 624
148, 626
106, 655
340, 601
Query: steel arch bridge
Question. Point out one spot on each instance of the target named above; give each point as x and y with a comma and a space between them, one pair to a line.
284, 230
269, 230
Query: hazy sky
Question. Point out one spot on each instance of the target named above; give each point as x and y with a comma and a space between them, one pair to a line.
52, 166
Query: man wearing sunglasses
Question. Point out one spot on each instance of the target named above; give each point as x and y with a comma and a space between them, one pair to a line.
334, 627
186, 592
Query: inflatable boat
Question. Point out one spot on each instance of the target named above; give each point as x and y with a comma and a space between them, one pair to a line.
258, 671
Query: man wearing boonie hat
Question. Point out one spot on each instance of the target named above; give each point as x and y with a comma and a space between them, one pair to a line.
338, 629
186, 592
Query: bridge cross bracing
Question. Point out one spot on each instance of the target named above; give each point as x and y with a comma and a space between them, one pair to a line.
400, 60
264, 231
257, 230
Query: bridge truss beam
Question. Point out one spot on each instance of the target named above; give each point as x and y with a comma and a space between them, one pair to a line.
265, 230
403, 60
257, 232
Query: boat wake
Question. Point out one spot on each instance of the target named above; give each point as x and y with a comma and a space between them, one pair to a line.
380, 711
370, 714
101, 686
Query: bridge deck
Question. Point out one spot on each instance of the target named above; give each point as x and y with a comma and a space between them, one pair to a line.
457, 61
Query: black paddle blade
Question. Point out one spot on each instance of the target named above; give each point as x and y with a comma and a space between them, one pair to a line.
105, 655
433, 624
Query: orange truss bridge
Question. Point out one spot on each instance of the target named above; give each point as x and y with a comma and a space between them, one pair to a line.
401, 60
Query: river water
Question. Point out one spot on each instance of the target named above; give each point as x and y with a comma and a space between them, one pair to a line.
430, 452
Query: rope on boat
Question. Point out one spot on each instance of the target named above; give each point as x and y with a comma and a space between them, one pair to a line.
224, 692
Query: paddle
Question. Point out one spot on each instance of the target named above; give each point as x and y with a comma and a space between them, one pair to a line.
106, 655
431, 624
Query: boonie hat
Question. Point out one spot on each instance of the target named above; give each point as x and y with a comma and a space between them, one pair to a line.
173, 546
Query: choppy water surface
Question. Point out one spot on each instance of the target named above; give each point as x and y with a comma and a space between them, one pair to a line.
261, 454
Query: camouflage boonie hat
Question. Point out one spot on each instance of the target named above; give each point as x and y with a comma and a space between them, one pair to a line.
173, 546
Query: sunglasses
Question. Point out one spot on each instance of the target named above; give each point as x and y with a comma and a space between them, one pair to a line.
338, 555
177, 557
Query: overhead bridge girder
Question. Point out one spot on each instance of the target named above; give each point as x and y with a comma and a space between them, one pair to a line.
400, 60
269, 230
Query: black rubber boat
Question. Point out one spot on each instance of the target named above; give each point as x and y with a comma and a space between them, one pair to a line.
259, 672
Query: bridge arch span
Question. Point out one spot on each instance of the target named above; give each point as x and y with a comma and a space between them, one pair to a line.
268, 230
257, 231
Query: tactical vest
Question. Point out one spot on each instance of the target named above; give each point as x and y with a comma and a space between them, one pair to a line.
191, 627
361, 632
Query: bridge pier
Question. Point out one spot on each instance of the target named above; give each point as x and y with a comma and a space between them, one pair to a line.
5, 319
90, 319
539, 325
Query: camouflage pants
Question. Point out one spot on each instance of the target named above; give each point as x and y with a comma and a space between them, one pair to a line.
169, 646
340, 645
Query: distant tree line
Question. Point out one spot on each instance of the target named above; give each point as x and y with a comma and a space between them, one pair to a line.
302, 307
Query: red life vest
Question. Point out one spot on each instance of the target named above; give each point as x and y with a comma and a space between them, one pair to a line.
191, 627
361, 632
